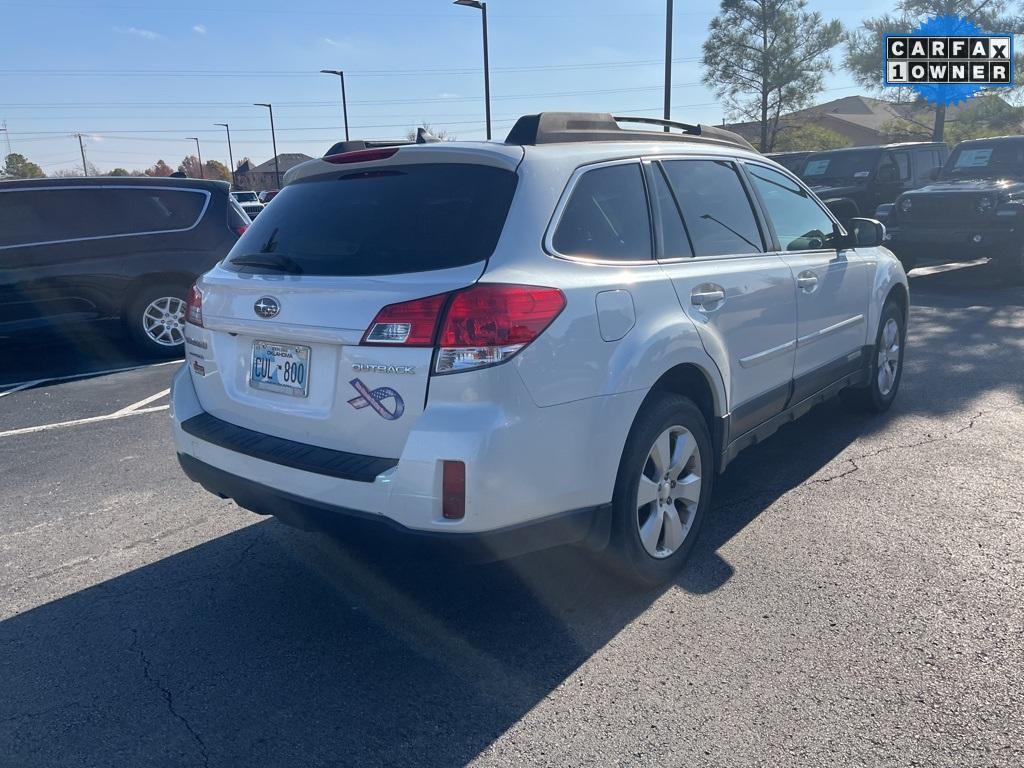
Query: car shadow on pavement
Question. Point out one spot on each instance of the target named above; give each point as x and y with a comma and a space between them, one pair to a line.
270, 646
66, 353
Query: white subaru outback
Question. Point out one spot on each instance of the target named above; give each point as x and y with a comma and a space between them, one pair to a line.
557, 339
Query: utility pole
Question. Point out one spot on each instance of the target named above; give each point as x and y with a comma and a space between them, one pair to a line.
668, 63
231, 156
81, 147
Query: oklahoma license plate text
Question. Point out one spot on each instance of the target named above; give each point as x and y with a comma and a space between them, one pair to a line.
282, 368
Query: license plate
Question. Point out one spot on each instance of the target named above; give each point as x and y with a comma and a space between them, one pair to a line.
282, 368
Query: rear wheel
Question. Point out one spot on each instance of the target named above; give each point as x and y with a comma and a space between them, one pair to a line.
886, 365
155, 319
662, 489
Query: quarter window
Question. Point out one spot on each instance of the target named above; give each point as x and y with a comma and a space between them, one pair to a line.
800, 223
606, 216
715, 207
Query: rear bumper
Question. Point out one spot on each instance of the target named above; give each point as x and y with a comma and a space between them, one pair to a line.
550, 468
590, 526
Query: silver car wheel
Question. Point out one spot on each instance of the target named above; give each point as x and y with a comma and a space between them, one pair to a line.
163, 321
669, 492
888, 357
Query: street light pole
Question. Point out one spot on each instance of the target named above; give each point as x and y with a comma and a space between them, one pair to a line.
81, 147
231, 155
273, 138
344, 104
668, 63
202, 175
482, 7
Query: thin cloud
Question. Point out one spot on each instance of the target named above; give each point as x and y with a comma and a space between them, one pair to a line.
199, 29
145, 34
334, 43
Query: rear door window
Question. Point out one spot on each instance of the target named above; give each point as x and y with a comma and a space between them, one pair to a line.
606, 216
715, 206
674, 241
58, 214
384, 221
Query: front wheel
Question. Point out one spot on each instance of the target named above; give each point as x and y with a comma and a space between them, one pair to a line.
662, 489
155, 320
886, 364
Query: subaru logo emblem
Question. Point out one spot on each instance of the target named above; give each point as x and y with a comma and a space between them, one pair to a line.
267, 307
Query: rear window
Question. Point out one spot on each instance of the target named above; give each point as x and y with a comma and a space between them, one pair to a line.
384, 221
60, 214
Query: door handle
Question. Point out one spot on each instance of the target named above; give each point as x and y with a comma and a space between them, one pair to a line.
808, 281
707, 294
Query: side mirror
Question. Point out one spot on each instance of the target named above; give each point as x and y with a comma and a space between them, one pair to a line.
864, 233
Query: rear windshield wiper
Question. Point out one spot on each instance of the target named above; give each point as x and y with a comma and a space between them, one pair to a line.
275, 261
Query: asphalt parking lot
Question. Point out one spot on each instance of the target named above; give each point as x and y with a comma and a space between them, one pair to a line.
857, 597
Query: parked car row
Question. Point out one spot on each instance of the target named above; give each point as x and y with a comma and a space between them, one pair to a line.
937, 205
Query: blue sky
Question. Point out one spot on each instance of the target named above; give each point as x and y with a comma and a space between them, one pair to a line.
139, 77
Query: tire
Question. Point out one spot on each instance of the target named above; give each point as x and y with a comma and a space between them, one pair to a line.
886, 365
144, 316
649, 545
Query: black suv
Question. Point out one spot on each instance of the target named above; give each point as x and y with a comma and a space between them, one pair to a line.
88, 249
868, 177
975, 208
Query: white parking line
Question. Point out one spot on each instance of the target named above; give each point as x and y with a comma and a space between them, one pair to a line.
17, 386
145, 401
77, 422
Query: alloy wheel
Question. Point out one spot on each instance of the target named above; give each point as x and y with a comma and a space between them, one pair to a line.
669, 492
888, 357
163, 321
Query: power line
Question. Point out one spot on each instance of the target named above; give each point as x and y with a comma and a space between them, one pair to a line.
250, 73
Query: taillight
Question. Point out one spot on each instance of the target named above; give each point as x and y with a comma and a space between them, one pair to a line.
240, 229
194, 307
453, 490
361, 156
487, 324
411, 323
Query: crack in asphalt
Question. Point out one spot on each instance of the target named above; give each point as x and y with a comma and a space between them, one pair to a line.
902, 446
855, 467
167, 696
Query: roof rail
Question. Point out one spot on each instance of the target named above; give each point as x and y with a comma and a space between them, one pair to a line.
554, 127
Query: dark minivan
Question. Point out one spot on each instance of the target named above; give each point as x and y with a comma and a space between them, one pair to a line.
76, 250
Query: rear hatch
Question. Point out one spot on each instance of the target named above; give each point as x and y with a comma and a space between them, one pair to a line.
287, 310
